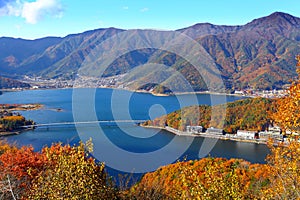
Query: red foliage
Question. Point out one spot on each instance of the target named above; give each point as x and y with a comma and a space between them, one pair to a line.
23, 164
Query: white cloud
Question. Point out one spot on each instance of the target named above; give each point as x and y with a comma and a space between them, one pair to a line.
125, 8
144, 9
32, 12
11, 8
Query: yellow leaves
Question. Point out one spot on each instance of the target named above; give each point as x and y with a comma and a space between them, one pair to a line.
209, 178
58, 172
217, 178
287, 113
4, 146
68, 174
284, 163
298, 65
14, 118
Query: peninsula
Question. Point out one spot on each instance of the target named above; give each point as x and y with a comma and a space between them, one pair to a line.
12, 122
246, 120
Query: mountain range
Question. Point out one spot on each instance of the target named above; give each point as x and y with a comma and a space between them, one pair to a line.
260, 54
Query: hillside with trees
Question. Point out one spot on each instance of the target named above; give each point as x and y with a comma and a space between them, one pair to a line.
11, 121
219, 178
287, 113
8, 83
259, 55
68, 172
247, 114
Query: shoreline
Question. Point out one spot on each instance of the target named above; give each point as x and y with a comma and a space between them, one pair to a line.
177, 93
21, 107
9, 113
4, 134
15, 132
137, 91
206, 135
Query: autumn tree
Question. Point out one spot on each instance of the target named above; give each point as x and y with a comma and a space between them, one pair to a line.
284, 168
208, 178
21, 166
72, 175
288, 107
8, 184
57, 172
4, 146
284, 159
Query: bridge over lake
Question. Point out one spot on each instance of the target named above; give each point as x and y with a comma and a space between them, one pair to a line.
103, 122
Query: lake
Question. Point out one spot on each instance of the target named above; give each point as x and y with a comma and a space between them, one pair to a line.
124, 147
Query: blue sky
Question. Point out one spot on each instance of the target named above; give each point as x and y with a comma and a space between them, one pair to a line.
32, 19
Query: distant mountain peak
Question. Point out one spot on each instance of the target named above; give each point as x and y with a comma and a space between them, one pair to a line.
285, 17
206, 24
202, 24
280, 14
276, 18
276, 14
203, 29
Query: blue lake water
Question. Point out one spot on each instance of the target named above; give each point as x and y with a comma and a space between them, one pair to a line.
124, 147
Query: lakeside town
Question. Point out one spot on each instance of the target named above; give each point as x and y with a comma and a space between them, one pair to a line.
116, 82
260, 137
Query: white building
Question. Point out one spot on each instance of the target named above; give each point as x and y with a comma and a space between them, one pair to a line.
239, 92
213, 130
194, 129
270, 134
274, 129
247, 134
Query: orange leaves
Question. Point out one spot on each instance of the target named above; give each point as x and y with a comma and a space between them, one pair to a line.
56, 172
12, 122
298, 64
218, 178
66, 172
284, 164
19, 161
209, 178
4, 146
287, 113
14, 118
22, 165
